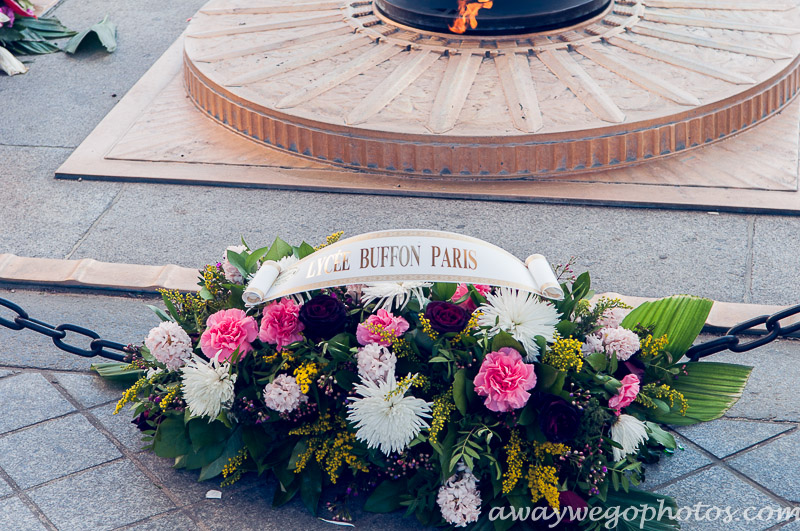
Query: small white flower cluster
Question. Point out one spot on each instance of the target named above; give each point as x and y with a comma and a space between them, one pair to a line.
612, 339
169, 344
375, 362
460, 500
283, 394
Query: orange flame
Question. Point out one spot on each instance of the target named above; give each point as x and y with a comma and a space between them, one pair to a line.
468, 14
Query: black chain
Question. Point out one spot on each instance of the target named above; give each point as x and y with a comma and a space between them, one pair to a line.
732, 340
101, 347
97, 346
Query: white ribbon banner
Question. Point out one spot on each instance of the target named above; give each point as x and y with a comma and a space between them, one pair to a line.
405, 255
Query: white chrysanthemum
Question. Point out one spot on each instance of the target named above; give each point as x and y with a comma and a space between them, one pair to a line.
283, 394
169, 344
375, 362
459, 500
520, 314
630, 432
231, 273
393, 294
385, 417
287, 262
207, 387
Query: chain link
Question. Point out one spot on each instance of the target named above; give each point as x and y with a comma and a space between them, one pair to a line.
103, 348
97, 346
732, 338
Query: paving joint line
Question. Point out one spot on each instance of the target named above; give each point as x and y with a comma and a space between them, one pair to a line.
22, 495
37, 146
721, 462
152, 518
96, 222
126, 453
748, 273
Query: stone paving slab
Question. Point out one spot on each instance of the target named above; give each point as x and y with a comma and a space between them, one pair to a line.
178, 230
5, 488
89, 390
724, 437
101, 498
120, 426
774, 465
772, 388
29, 398
720, 488
685, 459
125, 319
14, 514
172, 521
54, 449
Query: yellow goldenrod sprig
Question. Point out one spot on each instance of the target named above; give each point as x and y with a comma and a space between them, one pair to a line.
565, 354
130, 394
232, 472
427, 328
333, 238
662, 392
443, 405
515, 460
304, 375
543, 483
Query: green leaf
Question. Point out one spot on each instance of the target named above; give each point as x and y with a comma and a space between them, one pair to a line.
105, 31
203, 434
160, 313
664, 438
504, 339
171, 439
284, 493
232, 447
238, 260
386, 497
311, 486
598, 361
460, 391
252, 260
681, 318
205, 294
710, 388
444, 291
118, 372
304, 250
279, 249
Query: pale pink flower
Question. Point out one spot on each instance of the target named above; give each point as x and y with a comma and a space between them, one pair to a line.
375, 362
283, 394
593, 343
613, 317
619, 341
626, 394
504, 379
280, 325
169, 344
396, 325
459, 499
462, 290
231, 273
228, 330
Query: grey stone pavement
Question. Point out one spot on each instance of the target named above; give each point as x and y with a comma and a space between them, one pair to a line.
67, 463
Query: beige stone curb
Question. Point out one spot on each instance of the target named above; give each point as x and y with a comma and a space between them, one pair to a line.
89, 273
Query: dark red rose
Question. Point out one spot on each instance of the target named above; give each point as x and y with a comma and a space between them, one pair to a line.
324, 316
145, 422
632, 366
558, 419
446, 317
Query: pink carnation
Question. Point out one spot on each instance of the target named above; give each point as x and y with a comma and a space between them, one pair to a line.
626, 394
613, 317
227, 331
504, 379
462, 290
396, 325
280, 326
619, 341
